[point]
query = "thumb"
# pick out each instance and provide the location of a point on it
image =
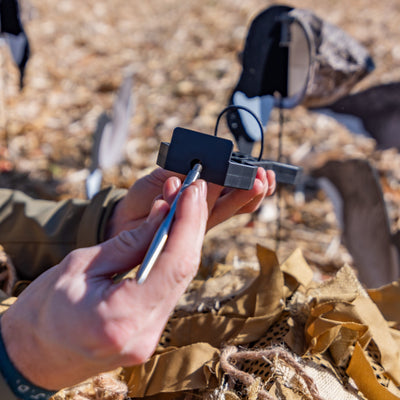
(126, 250)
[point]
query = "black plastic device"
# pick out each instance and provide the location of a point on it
(220, 164)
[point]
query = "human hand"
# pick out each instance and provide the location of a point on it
(73, 322)
(223, 203)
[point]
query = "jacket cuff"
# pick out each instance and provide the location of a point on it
(94, 220)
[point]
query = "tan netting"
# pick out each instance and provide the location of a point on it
(282, 336)
(107, 386)
(282, 364)
(7, 273)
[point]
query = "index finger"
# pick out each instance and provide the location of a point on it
(178, 262)
(187, 233)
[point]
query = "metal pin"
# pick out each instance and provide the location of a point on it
(161, 235)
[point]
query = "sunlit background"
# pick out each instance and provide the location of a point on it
(183, 56)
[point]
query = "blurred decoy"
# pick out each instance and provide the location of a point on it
(12, 30)
(353, 187)
(292, 57)
(272, 39)
(110, 137)
(374, 112)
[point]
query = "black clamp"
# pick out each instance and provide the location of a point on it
(220, 164)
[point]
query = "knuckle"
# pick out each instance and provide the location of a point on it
(142, 353)
(185, 268)
(132, 344)
(157, 177)
(129, 239)
(112, 338)
(78, 259)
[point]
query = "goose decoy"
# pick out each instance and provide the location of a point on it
(12, 31)
(374, 112)
(110, 137)
(354, 188)
(292, 57)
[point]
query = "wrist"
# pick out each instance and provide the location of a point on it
(20, 386)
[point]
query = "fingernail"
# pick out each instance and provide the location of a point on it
(203, 187)
(195, 192)
(176, 182)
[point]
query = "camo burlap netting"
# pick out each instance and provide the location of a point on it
(270, 334)
(7, 273)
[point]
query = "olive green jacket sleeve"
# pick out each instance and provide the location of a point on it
(38, 234)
